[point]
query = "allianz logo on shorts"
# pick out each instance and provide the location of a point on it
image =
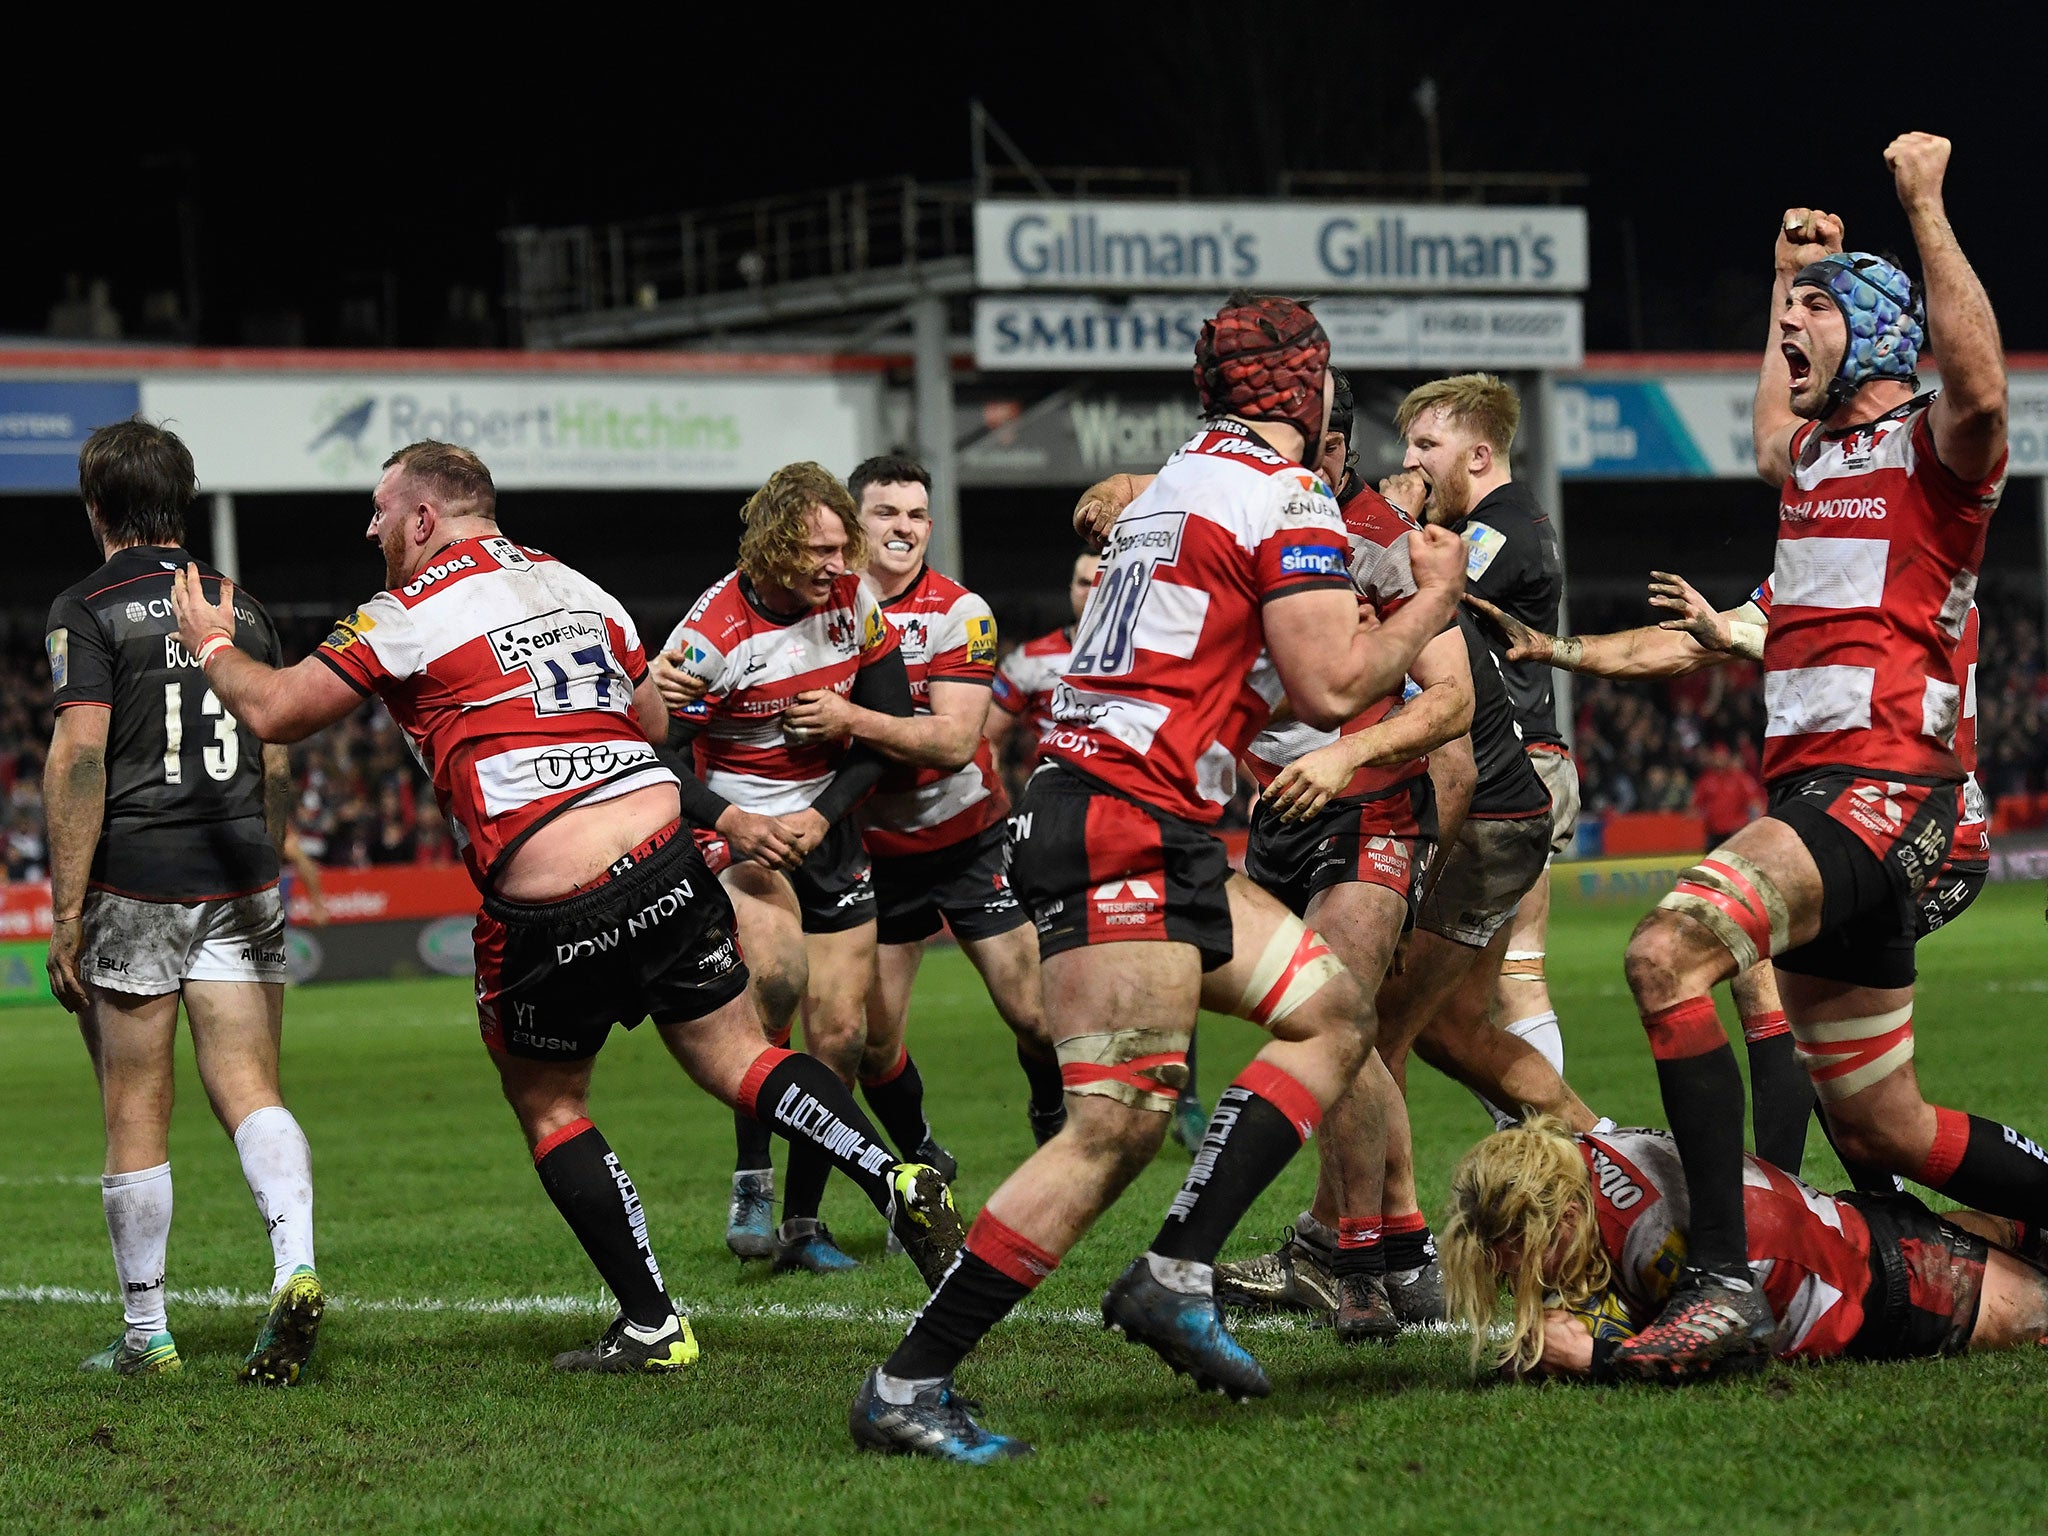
(662, 907)
(260, 956)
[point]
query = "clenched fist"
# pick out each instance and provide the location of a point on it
(1805, 235)
(1437, 557)
(1097, 510)
(1918, 162)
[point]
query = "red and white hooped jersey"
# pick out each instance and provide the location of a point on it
(1879, 546)
(756, 662)
(1972, 846)
(512, 676)
(1809, 1251)
(1025, 680)
(1157, 701)
(948, 635)
(1378, 532)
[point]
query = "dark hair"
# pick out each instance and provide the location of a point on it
(457, 476)
(886, 469)
(138, 479)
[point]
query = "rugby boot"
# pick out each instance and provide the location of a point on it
(938, 1423)
(1295, 1277)
(1363, 1312)
(627, 1349)
(923, 1219)
(1185, 1331)
(1045, 1124)
(285, 1341)
(1417, 1295)
(159, 1357)
(1708, 1328)
(804, 1242)
(932, 1155)
(1190, 1121)
(750, 1219)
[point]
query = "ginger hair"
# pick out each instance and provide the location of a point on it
(1478, 401)
(1520, 1189)
(773, 532)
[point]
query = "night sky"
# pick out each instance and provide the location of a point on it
(293, 193)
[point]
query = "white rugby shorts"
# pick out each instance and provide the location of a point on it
(153, 947)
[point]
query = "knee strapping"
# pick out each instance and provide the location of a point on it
(1522, 965)
(1845, 1056)
(1736, 902)
(1144, 1068)
(1294, 966)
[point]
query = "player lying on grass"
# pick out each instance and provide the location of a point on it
(1586, 1235)
(522, 684)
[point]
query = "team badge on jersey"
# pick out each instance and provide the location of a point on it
(981, 641)
(1482, 546)
(58, 643)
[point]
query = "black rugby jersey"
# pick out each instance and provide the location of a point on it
(1512, 561)
(1508, 786)
(184, 779)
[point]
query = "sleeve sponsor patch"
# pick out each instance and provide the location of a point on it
(874, 629)
(348, 631)
(981, 641)
(58, 643)
(1483, 545)
(1311, 560)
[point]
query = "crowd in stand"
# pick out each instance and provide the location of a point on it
(1690, 745)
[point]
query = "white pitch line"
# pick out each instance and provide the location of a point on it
(554, 1306)
(49, 1178)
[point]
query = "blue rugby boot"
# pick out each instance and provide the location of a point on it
(1185, 1331)
(937, 1422)
(804, 1242)
(750, 1219)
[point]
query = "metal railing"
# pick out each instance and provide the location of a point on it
(1435, 187)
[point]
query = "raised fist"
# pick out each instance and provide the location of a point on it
(1805, 235)
(1918, 161)
(1437, 558)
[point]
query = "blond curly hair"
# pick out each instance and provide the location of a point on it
(1521, 1186)
(773, 535)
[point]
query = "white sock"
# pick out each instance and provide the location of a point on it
(1541, 1031)
(1188, 1276)
(279, 1167)
(901, 1391)
(1502, 1120)
(139, 1225)
(1603, 1125)
(1314, 1233)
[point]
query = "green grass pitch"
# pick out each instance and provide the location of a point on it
(429, 1408)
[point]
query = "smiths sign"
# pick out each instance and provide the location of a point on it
(1279, 247)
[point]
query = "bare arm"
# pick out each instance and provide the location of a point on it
(75, 807)
(1101, 504)
(277, 703)
(1454, 773)
(277, 795)
(945, 738)
(997, 727)
(1329, 680)
(1670, 649)
(1805, 235)
(1968, 417)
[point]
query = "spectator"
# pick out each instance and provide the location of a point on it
(1727, 795)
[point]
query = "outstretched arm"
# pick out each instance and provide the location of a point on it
(280, 704)
(1968, 418)
(1805, 235)
(1699, 637)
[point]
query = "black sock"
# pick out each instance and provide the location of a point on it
(1865, 1178)
(1408, 1242)
(1780, 1099)
(972, 1299)
(897, 1098)
(1998, 1169)
(1048, 1093)
(799, 1099)
(751, 1139)
(1250, 1139)
(581, 1174)
(1702, 1091)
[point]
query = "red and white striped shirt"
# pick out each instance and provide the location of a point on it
(755, 662)
(512, 676)
(1024, 683)
(948, 635)
(1158, 701)
(1378, 532)
(1879, 546)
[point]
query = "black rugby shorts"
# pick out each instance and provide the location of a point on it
(968, 884)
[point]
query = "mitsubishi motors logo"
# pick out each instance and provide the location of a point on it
(1141, 889)
(1879, 800)
(1129, 903)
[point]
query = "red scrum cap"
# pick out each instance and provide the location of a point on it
(1264, 359)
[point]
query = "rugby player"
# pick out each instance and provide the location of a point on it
(935, 823)
(523, 687)
(1859, 756)
(166, 817)
(1022, 693)
(741, 676)
(1700, 636)
(1583, 1232)
(1458, 432)
(1236, 548)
